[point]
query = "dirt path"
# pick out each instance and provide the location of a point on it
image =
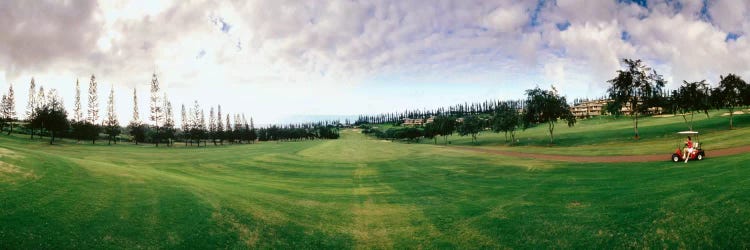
(618, 158)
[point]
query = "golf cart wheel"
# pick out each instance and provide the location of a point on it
(700, 156)
(675, 157)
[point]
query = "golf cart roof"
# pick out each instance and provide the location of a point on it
(688, 132)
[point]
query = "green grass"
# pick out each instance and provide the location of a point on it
(359, 192)
(614, 136)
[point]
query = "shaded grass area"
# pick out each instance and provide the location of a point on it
(358, 192)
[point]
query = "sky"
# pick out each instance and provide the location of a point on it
(278, 61)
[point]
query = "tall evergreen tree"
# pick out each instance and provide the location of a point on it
(92, 128)
(202, 129)
(137, 131)
(41, 99)
(219, 126)
(168, 128)
(185, 125)
(78, 122)
(93, 112)
(77, 112)
(195, 126)
(212, 125)
(228, 130)
(253, 133)
(111, 125)
(31, 106)
(9, 108)
(155, 107)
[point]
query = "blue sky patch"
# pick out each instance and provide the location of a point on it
(732, 37)
(625, 36)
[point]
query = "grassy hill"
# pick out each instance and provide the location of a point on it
(614, 136)
(358, 192)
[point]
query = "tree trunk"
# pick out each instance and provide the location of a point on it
(11, 128)
(551, 135)
(52, 139)
(635, 120)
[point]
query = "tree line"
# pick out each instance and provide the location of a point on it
(458, 110)
(540, 107)
(46, 115)
(637, 87)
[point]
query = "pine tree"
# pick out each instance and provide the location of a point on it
(77, 112)
(156, 110)
(93, 112)
(228, 130)
(136, 116)
(202, 129)
(9, 108)
(185, 125)
(237, 128)
(219, 126)
(168, 127)
(253, 133)
(195, 127)
(92, 128)
(136, 127)
(212, 125)
(31, 107)
(112, 125)
(41, 100)
(3, 111)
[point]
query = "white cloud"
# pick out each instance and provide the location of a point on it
(269, 59)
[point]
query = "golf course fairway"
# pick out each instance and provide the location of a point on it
(359, 192)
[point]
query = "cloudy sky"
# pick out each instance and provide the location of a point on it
(276, 60)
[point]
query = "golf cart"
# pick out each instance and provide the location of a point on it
(697, 154)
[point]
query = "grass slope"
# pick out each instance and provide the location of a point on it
(614, 136)
(358, 192)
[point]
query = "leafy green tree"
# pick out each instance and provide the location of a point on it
(635, 86)
(430, 131)
(506, 119)
(137, 132)
(471, 125)
(546, 106)
(730, 94)
(692, 97)
(445, 126)
(51, 116)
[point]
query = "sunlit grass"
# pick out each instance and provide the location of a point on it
(359, 192)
